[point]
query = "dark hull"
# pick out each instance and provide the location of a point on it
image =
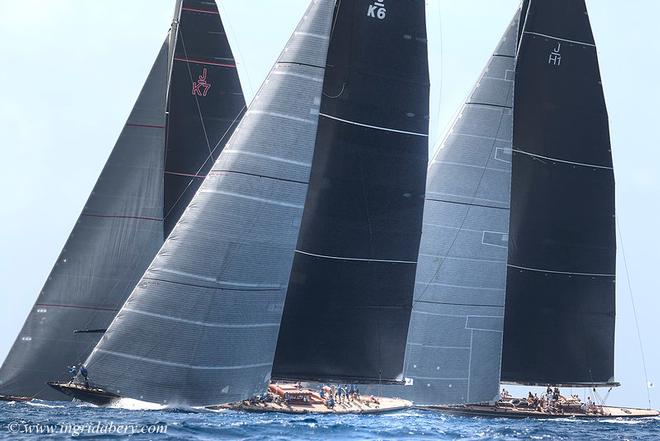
(14, 398)
(493, 411)
(91, 395)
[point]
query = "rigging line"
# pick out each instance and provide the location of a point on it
(477, 187)
(227, 21)
(442, 62)
(632, 301)
(199, 170)
(334, 19)
(199, 109)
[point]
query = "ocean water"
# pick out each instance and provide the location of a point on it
(40, 421)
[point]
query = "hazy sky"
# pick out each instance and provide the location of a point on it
(72, 69)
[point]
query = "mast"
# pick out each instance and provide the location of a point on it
(125, 219)
(560, 301)
(201, 325)
(348, 303)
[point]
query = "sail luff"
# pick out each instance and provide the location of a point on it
(560, 303)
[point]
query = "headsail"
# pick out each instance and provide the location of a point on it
(454, 344)
(349, 299)
(560, 301)
(201, 326)
(122, 225)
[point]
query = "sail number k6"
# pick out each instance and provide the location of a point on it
(377, 10)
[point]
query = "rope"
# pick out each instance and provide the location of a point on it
(632, 302)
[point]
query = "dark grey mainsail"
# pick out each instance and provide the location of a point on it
(122, 225)
(560, 301)
(205, 103)
(455, 339)
(348, 304)
(201, 326)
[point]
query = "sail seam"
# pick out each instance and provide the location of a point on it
(457, 315)
(206, 324)
(117, 216)
(461, 286)
(181, 365)
(210, 279)
(273, 158)
(467, 203)
(369, 126)
(462, 258)
(301, 64)
(297, 75)
(538, 34)
(55, 305)
(355, 259)
(540, 270)
(204, 11)
(253, 198)
(460, 164)
(499, 106)
(438, 346)
(146, 126)
(211, 63)
(458, 304)
(581, 164)
(218, 171)
(311, 34)
(195, 285)
(473, 198)
(282, 115)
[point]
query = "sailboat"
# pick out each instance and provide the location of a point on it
(547, 317)
(188, 107)
(201, 327)
(349, 296)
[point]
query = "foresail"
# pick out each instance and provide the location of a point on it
(201, 326)
(116, 236)
(350, 294)
(455, 339)
(205, 103)
(560, 305)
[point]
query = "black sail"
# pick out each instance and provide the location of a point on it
(123, 223)
(349, 299)
(560, 300)
(205, 103)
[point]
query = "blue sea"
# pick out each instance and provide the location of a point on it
(77, 421)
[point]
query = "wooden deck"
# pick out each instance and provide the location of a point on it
(496, 411)
(288, 398)
(354, 407)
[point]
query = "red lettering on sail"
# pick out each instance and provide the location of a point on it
(201, 87)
